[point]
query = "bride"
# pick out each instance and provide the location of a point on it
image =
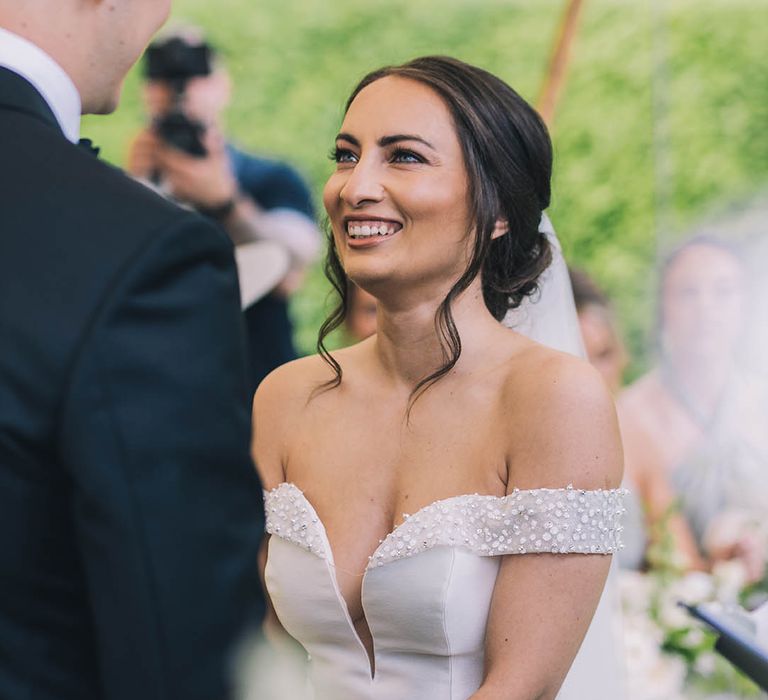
(440, 496)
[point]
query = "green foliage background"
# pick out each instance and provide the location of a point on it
(664, 116)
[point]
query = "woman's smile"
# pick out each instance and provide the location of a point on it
(399, 188)
(363, 233)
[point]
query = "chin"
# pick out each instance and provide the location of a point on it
(103, 104)
(371, 280)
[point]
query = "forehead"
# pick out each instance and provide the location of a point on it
(396, 105)
(702, 264)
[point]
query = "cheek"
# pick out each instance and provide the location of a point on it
(331, 194)
(332, 204)
(162, 8)
(441, 207)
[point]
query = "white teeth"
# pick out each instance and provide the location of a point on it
(366, 231)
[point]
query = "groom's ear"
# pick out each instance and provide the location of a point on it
(501, 227)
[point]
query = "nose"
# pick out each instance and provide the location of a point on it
(363, 185)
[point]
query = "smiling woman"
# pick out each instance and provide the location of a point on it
(500, 447)
(499, 163)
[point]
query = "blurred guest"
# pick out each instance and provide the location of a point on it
(602, 340)
(360, 321)
(185, 154)
(697, 417)
(605, 351)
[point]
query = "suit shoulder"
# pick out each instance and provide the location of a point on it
(57, 183)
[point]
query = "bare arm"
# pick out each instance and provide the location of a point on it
(645, 469)
(272, 415)
(210, 182)
(296, 232)
(543, 603)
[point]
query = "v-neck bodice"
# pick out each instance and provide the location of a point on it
(427, 588)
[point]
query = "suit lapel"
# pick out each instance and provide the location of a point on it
(19, 95)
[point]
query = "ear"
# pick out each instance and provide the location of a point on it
(501, 227)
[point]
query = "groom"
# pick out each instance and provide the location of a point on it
(128, 503)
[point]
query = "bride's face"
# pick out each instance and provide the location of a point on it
(398, 200)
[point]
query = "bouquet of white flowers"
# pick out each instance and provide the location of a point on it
(670, 655)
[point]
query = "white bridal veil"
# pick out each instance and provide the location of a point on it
(549, 317)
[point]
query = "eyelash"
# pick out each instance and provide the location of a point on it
(404, 152)
(337, 154)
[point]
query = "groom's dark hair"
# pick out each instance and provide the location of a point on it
(508, 156)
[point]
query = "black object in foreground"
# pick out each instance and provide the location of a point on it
(735, 642)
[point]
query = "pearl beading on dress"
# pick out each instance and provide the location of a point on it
(559, 521)
(290, 516)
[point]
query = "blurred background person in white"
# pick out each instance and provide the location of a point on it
(602, 339)
(698, 417)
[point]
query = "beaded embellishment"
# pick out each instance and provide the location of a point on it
(560, 521)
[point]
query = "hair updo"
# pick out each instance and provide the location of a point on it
(508, 157)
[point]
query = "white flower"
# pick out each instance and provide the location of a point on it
(672, 615)
(651, 673)
(695, 587)
(705, 663)
(663, 680)
(693, 638)
(730, 578)
(642, 641)
(635, 589)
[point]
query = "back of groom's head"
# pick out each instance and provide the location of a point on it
(95, 41)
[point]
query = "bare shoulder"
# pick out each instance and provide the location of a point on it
(277, 407)
(556, 383)
(564, 428)
(291, 383)
(280, 406)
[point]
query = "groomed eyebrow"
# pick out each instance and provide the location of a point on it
(385, 141)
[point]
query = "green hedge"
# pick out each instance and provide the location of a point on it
(663, 118)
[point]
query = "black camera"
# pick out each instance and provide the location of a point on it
(175, 62)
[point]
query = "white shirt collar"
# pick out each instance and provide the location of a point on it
(48, 77)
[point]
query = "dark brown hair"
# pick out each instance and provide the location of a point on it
(508, 156)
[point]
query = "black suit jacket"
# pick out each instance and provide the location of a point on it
(129, 508)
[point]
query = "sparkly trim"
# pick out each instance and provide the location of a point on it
(291, 516)
(559, 521)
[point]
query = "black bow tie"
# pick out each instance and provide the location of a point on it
(87, 145)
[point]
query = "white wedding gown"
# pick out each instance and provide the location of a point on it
(427, 590)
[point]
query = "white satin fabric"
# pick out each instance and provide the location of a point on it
(427, 590)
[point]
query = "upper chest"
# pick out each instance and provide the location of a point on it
(366, 468)
(364, 447)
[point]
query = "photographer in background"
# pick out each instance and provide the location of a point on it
(184, 154)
